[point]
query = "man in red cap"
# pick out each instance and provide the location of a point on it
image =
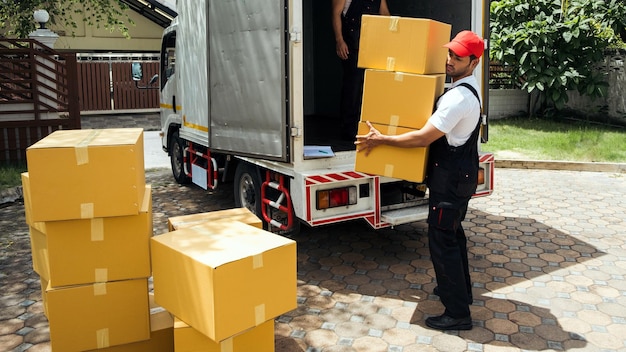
(452, 133)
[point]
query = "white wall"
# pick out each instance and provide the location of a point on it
(507, 102)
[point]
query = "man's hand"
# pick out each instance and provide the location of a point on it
(365, 143)
(342, 50)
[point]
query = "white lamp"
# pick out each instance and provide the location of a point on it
(41, 17)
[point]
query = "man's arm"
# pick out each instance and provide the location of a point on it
(413, 139)
(384, 10)
(341, 46)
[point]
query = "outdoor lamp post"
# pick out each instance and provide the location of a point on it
(43, 34)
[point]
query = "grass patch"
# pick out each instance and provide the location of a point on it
(566, 140)
(10, 175)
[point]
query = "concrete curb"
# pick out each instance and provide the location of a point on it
(15, 194)
(561, 165)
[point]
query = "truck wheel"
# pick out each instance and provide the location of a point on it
(247, 188)
(176, 148)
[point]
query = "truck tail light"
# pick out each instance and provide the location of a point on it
(336, 197)
(481, 176)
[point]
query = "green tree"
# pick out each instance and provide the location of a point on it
(553, 45)
(16, 17)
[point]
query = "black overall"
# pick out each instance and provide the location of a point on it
(352, 87)
(452, 180)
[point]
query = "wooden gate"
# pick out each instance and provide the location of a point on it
(106, 83)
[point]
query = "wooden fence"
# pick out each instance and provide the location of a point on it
(42, 91)
(37, 95)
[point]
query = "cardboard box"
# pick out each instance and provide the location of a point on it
(257, 339)
(403, 44)
(400, 99)
(224, 277)
(97, 316)
(77, 252)
(402, 163)
(161, 333)
(236, 214)
(85, 174)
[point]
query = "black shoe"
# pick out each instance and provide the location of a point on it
(444, 322)
(437, 293)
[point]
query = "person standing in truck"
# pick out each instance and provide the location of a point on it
(346, 20)
(452, 133)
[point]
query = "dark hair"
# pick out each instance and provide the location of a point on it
(473, 57)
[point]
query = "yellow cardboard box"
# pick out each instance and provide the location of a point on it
(257, 339)
(85, 174)
(76, 252)
(403, 44)
(161, 333)
(236, 214)
(224, 277)
(402, 163)
(400, 99)
(97, 316)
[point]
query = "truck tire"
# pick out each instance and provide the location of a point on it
(176, 148)
(247, 188)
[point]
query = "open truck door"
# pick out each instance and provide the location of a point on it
(240, 80)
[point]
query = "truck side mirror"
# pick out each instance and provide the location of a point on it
(137, 74)
(137, 71)
(153, 80)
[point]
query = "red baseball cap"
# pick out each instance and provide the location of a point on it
(467, 43)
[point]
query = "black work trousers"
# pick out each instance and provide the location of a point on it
(351, 96)
(448, 251)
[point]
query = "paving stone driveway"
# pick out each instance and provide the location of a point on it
(547, 251)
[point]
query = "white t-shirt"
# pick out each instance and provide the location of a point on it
(346, 6)
(457, 112)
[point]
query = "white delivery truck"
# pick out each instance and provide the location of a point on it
(249, 87)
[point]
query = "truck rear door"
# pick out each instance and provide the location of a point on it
(248, 79)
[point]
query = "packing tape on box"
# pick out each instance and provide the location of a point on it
(97, 229)
(391, 63)
(145, 205)
(99, 289)
(388, 170)
(102, 338)
(393, 23)
(227, 345)
(101, 275)
(86, 211)
(392, 130)
(394, 120)
(259, 314)
(81, 150)
(398, 77)
(257, 261)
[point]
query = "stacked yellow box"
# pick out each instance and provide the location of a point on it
(224, 280)
(235, 214)
(161, 333)
(90, 217)
(405, 62)
(258, 339)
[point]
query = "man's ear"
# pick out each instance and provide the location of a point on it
(475, 62)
